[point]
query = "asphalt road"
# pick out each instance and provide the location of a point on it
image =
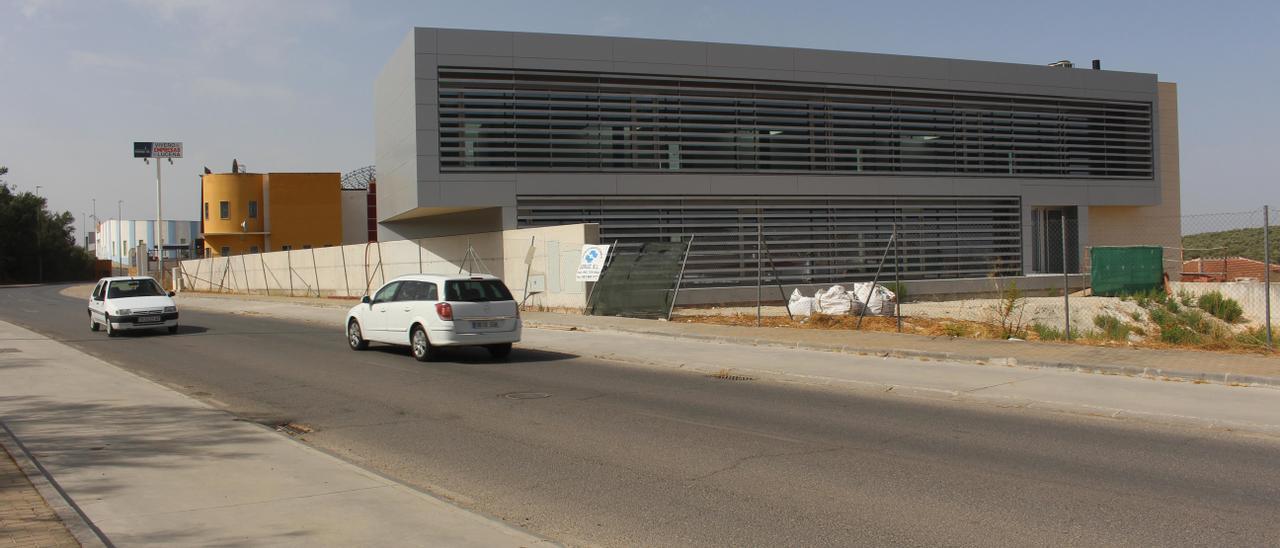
(628, 455)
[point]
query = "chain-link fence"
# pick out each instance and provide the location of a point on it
(1111, 278)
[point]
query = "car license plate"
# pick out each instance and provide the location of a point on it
(148, 319)
(484, 324)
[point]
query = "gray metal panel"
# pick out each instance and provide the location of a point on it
(560, 46)
(475, 42)
(812, 240)
(673, 52)
(394, 93)
(756, 57)
(477, 193)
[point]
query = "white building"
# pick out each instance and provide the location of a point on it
(116, 239)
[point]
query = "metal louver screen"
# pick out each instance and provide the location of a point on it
(527, 120)
(811, 240)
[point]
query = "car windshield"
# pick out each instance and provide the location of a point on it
(476, 291)
(124, 289)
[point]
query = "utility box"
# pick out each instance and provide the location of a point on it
(1126, 270)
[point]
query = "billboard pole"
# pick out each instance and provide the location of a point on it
(159, 227)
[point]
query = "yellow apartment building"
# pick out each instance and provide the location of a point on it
(260, 212)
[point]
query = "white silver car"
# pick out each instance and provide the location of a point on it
(426, 311)
(130, 302)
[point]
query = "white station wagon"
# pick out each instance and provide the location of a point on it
(130, 302)
(427, 311)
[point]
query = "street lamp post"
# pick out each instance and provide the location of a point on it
(118, 245)
(39, 240)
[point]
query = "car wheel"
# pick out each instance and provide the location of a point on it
(93, 326)
(106, 322)
(173, 329)
(499, 351)
(421, 346)
(355, 338)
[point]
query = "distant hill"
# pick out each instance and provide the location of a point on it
(1241, 242)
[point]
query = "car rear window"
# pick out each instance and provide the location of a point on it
(476, 291)
(123, 289)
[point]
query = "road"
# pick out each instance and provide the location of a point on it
(618, 454)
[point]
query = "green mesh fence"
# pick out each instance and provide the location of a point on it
(1126, 270)
(639, 284)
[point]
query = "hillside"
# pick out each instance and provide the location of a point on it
(1241, 242)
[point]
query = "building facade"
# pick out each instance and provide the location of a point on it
(118, 241)
(260, 212)
(821, 154)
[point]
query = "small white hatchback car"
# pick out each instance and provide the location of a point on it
(130, 302)
(427, 311)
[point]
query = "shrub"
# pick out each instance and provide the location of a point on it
(955, 329)
(1185, 297)
(1223, 308)
(1178, 334)
(1136, 315)
(1163, 318)
(1113, 328)
(1009, 312)
(1256, 336)
(1172, 306)
(1047, 333)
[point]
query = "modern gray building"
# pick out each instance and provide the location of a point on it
(824, 152)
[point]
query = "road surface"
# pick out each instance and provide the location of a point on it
(592, 452)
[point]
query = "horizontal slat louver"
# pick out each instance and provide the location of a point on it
(544, 121)
(811, 240)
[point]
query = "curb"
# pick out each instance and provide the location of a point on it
(1009, 361)
(87, 534)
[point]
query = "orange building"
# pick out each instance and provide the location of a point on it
(260, 212)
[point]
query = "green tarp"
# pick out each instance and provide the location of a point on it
(1126, 270)
(639, 284)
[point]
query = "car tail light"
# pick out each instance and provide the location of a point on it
(445, 311)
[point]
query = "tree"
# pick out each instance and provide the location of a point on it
(36, 239)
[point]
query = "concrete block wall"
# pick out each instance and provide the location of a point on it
(355, 270)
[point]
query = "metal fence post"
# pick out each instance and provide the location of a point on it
(680, 278)
(759, 263)
(1266, 272)
(1066, 283)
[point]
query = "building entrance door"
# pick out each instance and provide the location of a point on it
(1047, 224)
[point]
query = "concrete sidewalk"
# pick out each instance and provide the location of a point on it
(1192, 365)
(149, 466)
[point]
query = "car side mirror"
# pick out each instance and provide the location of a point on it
(171, 293)
(366, 300)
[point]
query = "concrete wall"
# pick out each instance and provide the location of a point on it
(355, 270)
(1252, 296)
(355, 217)
(1160, 224)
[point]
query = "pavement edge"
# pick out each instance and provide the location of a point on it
(79, 525)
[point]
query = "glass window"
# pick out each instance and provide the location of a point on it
(306, 246)
(226, 251)
(387, 293)
(224, 210)
(253, 210)
(145, 287)
(417, 291)
(286, 248)
(206, 210)
(253, 249)
(477, 291)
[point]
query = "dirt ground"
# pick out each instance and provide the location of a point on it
(1044, 310)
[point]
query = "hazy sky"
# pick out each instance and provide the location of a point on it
(287, 85)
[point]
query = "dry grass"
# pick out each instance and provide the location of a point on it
(932, 327)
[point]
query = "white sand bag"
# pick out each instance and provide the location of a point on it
(834, 301)
(800, 305)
